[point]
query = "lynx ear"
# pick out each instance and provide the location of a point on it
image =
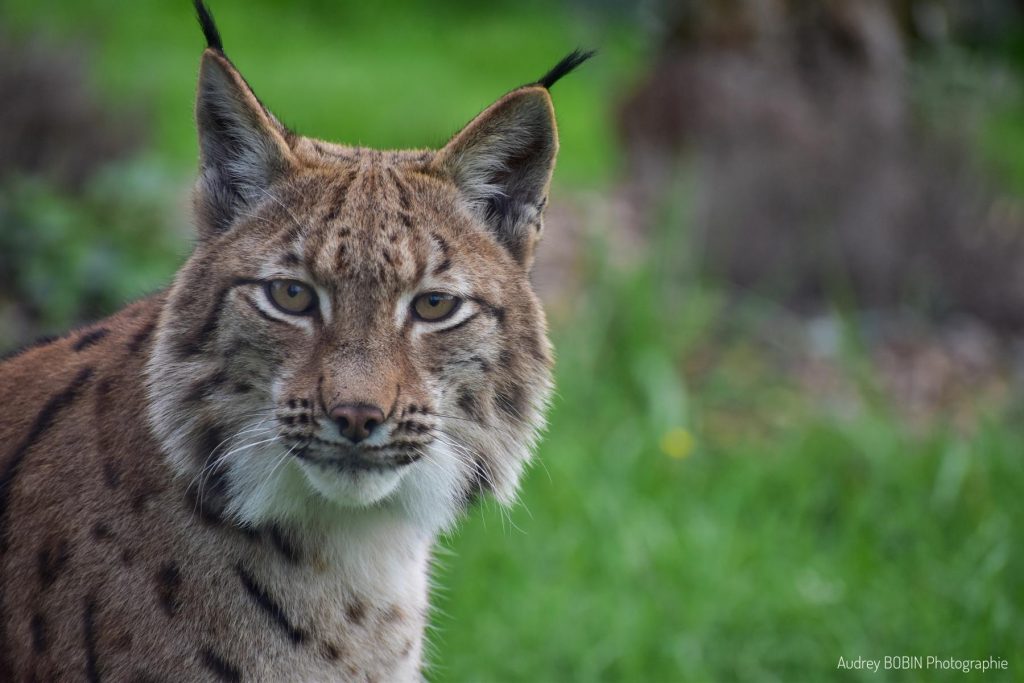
(242, 146)
(502, 163)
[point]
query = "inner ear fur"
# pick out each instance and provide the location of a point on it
(243, 148)
(502, 163)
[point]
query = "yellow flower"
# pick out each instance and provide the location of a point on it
(677, 443)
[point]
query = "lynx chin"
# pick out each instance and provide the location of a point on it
(241, 477)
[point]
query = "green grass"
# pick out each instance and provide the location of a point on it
(763, 556)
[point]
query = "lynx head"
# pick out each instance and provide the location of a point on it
(355, 331)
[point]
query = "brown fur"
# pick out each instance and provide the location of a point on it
(175, 502)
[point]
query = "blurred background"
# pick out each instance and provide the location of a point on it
(785, 273)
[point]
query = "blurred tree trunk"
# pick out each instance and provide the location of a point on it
(814, 181)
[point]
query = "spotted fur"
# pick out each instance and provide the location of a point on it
(177, 498)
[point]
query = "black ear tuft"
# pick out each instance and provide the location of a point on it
(209, 28)
(568, 63)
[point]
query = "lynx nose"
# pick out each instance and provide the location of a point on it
(356, 421)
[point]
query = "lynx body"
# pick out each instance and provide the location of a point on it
(241, 477)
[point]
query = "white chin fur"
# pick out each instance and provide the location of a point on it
(267, 485)
(351, 489)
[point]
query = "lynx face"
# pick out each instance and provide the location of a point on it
(355, 332)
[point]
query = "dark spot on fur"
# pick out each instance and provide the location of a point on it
(143, 494)
(355, 612)
(220, 667)
(168, 585)
(39, 633)
(283, 545)
(91, 338)
(140, 338)
(92, 664)
(145, 677)
(111, 477)
(52, 560)
(120, 638)
(101, 531)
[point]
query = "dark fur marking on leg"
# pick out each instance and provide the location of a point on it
(40, 639)
(145, 677)
(92, 664)
(90, 338)
(269, 605)
(111, 477)
(220, 667)
(168, 585)
(51, 561)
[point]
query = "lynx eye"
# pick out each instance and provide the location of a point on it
(291, 296)
(434, 307)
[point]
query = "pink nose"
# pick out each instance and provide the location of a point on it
(356, 421)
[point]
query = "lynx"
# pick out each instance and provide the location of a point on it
(242, 477)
